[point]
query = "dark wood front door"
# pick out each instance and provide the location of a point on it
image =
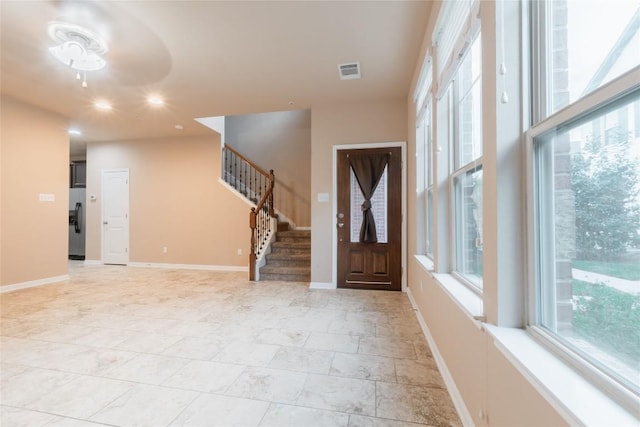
(363, 264)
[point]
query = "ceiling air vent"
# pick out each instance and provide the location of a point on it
(349, 71)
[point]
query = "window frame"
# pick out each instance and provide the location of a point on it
(456, 169)
(427, 120)
(599, 100)
(424, 164)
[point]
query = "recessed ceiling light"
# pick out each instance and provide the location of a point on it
(75, 132)
(102, 105)
(154, 100)
(179, 127)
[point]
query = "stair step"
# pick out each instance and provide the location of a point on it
(288, 270)
(282, 226)
(288, 263)
(301, 256)
(284, 277)
(289, 260)
(299, 234)
(286, 274)
(290, 246)
(289, 251)
(290, 257)
(301, 243)
(292, 238)
(304, 233)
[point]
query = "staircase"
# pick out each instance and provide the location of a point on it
(290, 257)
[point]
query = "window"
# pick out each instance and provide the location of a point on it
(425, 176)
(378, 208)
(588, 239)
(585, 201)
(584, 59)
(459, 110)
(424, 155)
(428, 166)
(467, 168)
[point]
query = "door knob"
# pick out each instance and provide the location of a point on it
(105, 222)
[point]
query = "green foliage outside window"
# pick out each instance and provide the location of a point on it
(606, 184)
(609, 318)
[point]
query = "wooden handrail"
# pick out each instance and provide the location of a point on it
(268, 194)
(253, 165)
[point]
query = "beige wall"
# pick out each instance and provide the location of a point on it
(383, 121)
(35, 160)
(512, 399)
(280, 141)
(175, 201)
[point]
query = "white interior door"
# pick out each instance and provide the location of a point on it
(115, 216)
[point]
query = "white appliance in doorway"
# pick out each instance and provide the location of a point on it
(77, 216)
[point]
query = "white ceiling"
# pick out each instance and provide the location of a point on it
(209, 58)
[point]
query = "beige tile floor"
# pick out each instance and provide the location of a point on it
(123, 346)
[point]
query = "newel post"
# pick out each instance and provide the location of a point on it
(252, 255)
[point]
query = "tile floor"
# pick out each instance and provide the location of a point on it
(123, 346)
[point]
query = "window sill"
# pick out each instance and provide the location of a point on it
(575, 399)
(467, 300)
(425, 262)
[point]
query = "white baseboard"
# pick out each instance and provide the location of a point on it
(321, 285)
(189, 266)
(90, 262)
(33, 283)
(456, 397)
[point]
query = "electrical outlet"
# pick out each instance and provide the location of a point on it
(164, 249)
(239, 251)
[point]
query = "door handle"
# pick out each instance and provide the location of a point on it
(78, 213)
(105, 222)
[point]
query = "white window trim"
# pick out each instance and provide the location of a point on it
(599, 98)
(538, 64)
(429, 243)
(455, 170)
(429, 178)
(422, 99)
(475, 165)
(425, 79)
